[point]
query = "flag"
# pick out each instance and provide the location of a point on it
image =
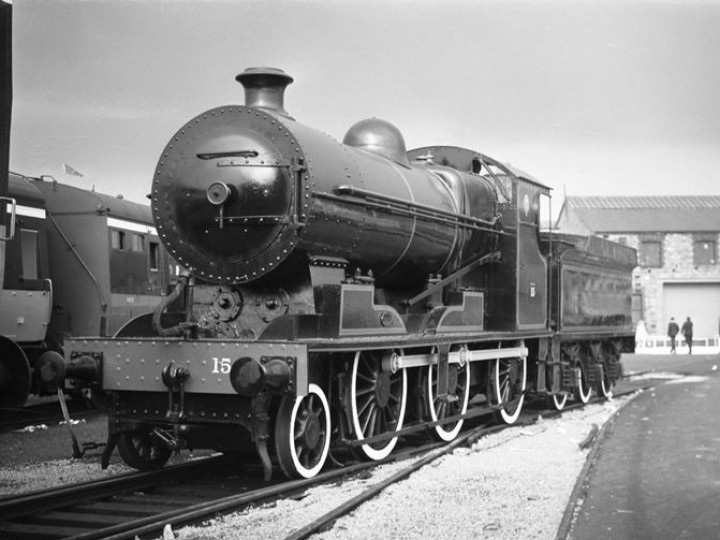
(69, 170)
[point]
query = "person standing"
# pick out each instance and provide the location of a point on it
(687, 331)
(672, 331)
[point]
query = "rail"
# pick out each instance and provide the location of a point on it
(143, 503)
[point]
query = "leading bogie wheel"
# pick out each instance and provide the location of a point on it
(302, 433)
(507, 387)
(143, 451)
(459, 394)
(378, 397)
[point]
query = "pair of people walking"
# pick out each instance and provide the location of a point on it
(686, 330)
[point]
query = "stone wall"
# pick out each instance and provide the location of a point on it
(678, 264)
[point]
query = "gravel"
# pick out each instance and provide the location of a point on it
(49, 474)
(513, 484)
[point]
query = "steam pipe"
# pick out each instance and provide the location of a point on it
(177, 292)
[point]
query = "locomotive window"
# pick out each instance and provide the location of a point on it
(117, 239)
(138, 243)
(505, 189)
(546, 217)
(154, 256)
(29, 248)
(503, 183)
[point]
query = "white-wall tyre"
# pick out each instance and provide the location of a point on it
(302, 433)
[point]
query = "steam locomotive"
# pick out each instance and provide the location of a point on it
(340, 296)
(78, 263)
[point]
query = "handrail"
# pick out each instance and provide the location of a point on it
(12, 204)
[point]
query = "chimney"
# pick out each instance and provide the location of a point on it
(265, 88)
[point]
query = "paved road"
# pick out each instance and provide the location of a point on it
(657, 474)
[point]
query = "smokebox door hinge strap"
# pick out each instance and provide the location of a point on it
(297, 169)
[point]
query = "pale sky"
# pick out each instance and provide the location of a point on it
(591, 97)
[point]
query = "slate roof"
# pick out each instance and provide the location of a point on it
(681, 213)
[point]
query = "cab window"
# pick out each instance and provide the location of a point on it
(29, 253)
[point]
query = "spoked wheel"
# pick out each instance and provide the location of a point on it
(611, 369)
(142, 451)
(604, 386)
(581, 388)
(601, 358)
(302, 433)
(507, 387)
(458, 389)
(378, 400)
(556, 401)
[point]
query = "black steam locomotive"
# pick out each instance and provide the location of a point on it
(342, 295)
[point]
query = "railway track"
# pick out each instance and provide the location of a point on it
(143, 503)
(104, 508)
(465, 439)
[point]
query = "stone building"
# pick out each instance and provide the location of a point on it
(676, 238)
